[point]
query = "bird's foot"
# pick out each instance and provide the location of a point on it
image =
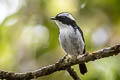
(71, 58)
(63, 58)
(82, 55)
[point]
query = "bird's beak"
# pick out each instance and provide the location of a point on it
(53, 18)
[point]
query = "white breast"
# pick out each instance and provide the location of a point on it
(70, 41)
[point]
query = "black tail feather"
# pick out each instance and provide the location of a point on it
(83, 68)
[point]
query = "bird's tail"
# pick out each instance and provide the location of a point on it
(83, 68)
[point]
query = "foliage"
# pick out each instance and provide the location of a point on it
(29, 39)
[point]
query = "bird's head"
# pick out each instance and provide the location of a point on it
(63, 19)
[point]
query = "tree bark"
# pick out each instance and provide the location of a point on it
(62, 65)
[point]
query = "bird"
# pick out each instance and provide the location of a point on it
(71, 37)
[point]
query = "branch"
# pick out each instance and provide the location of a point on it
(61, 65)
(70, 70)
(73, 74)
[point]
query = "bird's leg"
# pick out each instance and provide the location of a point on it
(71, 57)
(68, 58)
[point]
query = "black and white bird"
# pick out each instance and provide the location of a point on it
(71, 37)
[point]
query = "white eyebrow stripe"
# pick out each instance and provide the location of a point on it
(67, 15)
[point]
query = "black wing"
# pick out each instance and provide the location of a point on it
(82, 37)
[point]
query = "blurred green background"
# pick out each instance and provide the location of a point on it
(29, 39)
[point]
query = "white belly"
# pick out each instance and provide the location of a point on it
(71, 42)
